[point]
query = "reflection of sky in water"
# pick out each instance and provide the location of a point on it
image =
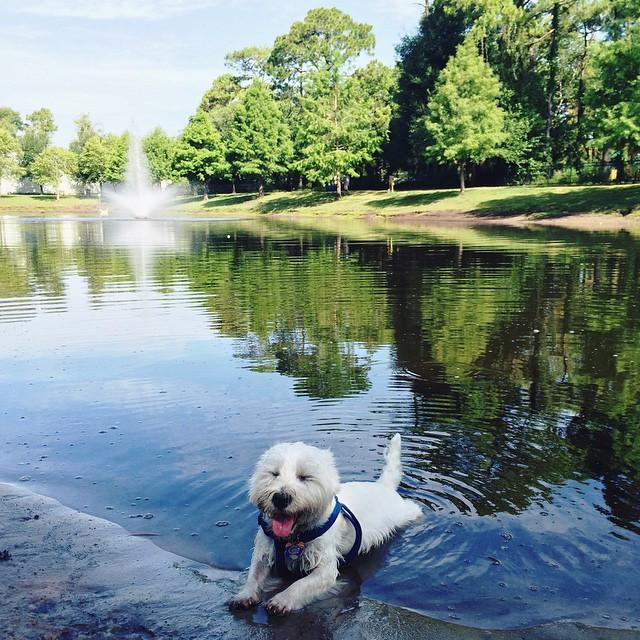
(128, 391)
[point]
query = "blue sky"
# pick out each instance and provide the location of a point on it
(142, 63)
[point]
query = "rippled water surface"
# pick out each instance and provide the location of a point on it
(144, 366)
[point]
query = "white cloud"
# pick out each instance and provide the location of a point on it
(113, 9)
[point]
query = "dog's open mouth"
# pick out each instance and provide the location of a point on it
(282, 525)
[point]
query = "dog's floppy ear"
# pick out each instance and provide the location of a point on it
(329, 470)
(261, 475)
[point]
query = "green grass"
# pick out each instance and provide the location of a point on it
(46, 205)
(535, 202)
(482, 202)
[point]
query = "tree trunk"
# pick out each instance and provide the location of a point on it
(233, 184)
(580, 100)
(461, 171)
(551, 82)
(57, 194)
(206, 192)
(338, 186)
(392, 183)
(260, 187)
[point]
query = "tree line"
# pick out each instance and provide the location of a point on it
(496, 91)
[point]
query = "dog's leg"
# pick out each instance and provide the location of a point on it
(261, 562)
(305, 590)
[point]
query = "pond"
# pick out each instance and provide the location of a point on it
(145, 365)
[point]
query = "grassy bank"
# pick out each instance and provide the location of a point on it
(482, 202)
(534, 202)
(23, 205)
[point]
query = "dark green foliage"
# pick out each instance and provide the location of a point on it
(421, 59)
(259, 142)
(159, 149)
(199, 154)
(314, 107)
(36, 137)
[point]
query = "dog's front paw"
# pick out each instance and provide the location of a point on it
(243, 600)
(279, 605)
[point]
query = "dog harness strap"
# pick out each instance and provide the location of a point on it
(312, 534)
(281, 563)
(353, 552)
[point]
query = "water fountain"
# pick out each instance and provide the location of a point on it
(138, 197)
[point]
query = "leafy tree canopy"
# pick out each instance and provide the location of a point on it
(248, 63)
(325, 41)
(85, 129)
(10, 120)
(259, 140)
(199, 154)
(49, 166)
(92, 161)
(9, 155)
(159, 149)
(343, 125)
(37, 136)
(464, 119)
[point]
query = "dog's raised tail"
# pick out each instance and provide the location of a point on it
(392, 471)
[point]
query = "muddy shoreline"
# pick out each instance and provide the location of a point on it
(70, 575)
(577, 221)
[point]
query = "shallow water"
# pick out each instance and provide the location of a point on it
(144, 366)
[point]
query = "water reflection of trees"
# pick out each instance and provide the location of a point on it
(520, 369)
(527, 357)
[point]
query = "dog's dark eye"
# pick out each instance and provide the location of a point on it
(304, 478)
(275, 474)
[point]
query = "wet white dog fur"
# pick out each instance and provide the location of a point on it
(309, 476)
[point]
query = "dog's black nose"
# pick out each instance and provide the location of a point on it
(281, 500)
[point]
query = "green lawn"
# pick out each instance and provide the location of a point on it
(46, 205)
(535, 202)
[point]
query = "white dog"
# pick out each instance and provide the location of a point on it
(307, 530)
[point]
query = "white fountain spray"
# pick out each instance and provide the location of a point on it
(139, 197)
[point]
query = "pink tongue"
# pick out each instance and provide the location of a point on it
(282, 528)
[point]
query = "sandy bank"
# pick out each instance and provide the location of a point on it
(578, 221)
(70, 575)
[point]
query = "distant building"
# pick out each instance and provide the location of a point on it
(26, 186)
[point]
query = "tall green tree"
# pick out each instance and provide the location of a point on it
(9, 156)
(259, 139)
(51, 165)
(117, 153)
(10, 120)
(39, 129)
(342, 128)
(249, 63)
(464, 119)
(85, 129)
(421, 58)
(326, 40)
(92, 162)
(200, 154)
(613, 95)
(159, 149)
(221, 100)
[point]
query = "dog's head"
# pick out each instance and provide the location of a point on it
(294, 484)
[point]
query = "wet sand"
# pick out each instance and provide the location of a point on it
(72, 575)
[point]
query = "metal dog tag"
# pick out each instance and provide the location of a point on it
(294, 550)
